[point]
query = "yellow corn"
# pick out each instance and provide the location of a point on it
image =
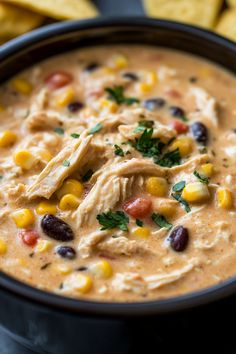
(112, 107)
(3, 247)
(22, 262)
(145, 87)
(24, 159)
(195, 192)
(142, 232)
(224, 198)
(82, 283)
(151, 78)
(108, 70)
(46, 207)
(22, 86)
(7, 138)
(184, 144)
(43, 246)
(23, 218)
(207, 169)
(166, 209)
(101, 269)
(63, 269)
(70, 186)
(65, 98)
(119, 62)
(156, 186)
(45, 155)
(69, 202)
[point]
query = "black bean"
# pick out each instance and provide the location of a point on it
(154, 103)
(193, 79)
(82, 269)
(177, 111)
(199, 132)
(56, 228)
(131, 76)
(75, 106)
(66, 252)
(91, 66)
(179, 238)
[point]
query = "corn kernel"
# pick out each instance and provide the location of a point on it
(45, 155)
(151, 78)
(142, 232)
(22, 86)
(184, 144)
(108, 70)
(145, 87)
(70, 186)
(207, 169)
(3, 247)
(23, 218)
(65, 97)
(195, 192)
(111, 107)
(166, 209)
(224, 198)
(156, 186)
(119, 62)
(24, 159)
(101, 269)
(7, 138)
(82, 283)
(22, 262)
(63, 269)
(46, 207)
(43, 246)
(69, 202)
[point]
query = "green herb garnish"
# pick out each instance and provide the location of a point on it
(59, 131)
(66, 163)
(116, 94)
(161, 221)
(202, 179)
(118, 150)
(86, 177)
(96, 128)
(148, 146)
(182, 201)
(75, 135)
(139, 222)
(178, 187)
(142, 125)
(170, 159)
(112, 220)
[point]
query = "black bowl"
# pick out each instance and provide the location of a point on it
(48, 323)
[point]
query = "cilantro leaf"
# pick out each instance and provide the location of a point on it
(170, 159)
(96, 128)
(148, 146)
(59, 131)
(161, 221)
(178, 187)
(75, 135)
(182, 201)
(139, 222)
(86, 177)
(112, 220)
(118, 150)
(66, 163)
(202, 179)
(142, 125)
(116, 94)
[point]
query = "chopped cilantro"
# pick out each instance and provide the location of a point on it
(75, 135)
(139, 222)
(202, 179)
(142, 125)
(118, 150)
(96, 128)
(178, 187)
(86, 177)
(59, 131)
(117, 94)
(148, 146)
(112, 220)
(161, 221)
(169, 159)
(66, 163)
(182, 201)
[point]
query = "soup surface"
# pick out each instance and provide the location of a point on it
(118, 174)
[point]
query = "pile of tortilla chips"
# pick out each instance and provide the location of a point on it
(218, 15)
(20, 16)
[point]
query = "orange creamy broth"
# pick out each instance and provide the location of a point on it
(64, 124)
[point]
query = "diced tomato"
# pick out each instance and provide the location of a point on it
(58, 79)
(179, 126)
(29, 237)
(173, 93)
(138, 207)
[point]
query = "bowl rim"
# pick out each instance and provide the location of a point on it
(97, 308)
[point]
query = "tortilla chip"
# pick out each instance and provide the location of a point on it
(59, 9)
(197, 12)
(227, 24)
(231, 3)
(15, 21)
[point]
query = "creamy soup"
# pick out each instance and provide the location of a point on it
(118, 174)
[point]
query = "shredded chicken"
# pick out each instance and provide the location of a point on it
(122, 246)
(206, 105)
